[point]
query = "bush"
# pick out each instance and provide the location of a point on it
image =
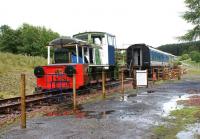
(184, 57)
(195, 56)
(176, 63)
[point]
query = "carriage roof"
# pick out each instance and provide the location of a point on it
(153, 49)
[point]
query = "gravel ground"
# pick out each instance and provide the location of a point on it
(131, 117)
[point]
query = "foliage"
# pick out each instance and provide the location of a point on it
(120, 57)
(27, 39)
(192, 16)
(9, 39)
(184, 57)
(181, 48)
(176, 63)
(195, 56)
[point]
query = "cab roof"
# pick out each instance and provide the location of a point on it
(62, 42)
(93, 32)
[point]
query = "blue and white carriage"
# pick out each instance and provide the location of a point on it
(144, 56)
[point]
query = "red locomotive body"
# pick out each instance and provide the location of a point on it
(59, 76)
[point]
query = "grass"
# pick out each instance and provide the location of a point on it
(11, 66)
(10, 62)
(193, 67)
(177, 122)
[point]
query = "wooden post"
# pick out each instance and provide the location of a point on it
(103, 85)
(179, 73)
(134, 79)
(158, 73)
(154, 76)
(122, 74)
(163, 73)
(147, 77)
(74, 91)
(23, 102)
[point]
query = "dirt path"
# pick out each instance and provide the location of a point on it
(131, 117)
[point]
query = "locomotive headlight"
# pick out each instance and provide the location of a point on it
(39, 72)
(70, 70)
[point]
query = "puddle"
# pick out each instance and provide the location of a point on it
(81, 114)
(192, 132)
(97, 115)
(132, 117)
(38, 123)
(172, 104)
(139, 101)
(132, 95)
(143, 93)
(150, 91)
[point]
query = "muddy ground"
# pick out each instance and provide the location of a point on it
(128, 117)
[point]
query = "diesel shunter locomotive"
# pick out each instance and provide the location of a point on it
(83, 55)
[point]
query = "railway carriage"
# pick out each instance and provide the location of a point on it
(144, 56)
(83, 55)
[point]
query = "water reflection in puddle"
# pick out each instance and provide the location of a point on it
(81, 113)
(172, 104)
(192, 132)
(98, 115)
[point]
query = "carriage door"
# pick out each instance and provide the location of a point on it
(137, 53)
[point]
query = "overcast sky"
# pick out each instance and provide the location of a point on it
(154, 22)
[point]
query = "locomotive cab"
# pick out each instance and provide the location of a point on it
(103, 58)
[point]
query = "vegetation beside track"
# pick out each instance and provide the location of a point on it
(177, 121)
(193, 67)
(11, 67)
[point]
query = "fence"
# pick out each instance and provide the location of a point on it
(100, 82)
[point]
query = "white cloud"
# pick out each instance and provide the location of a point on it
(154, 22)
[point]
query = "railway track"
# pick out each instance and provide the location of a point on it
(12, 105)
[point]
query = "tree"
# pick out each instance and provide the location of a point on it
(9, 39)
(192, 16)
(181, 48)
(27, 39)
(35, 39)
(184, 57)
(195, 56)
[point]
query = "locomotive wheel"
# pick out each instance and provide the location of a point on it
(70, 70)
(39, 72)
